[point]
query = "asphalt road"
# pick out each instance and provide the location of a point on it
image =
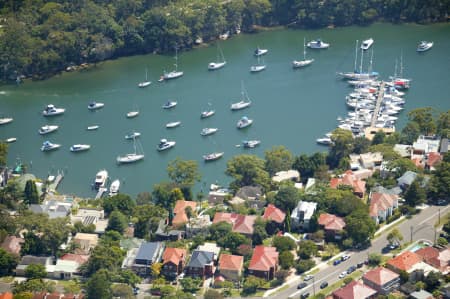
(419, 227)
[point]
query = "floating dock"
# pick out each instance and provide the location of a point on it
(378, 104)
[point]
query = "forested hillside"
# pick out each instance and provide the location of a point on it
(40, 38)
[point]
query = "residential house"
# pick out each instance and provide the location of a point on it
(80, 259)
(131, 246)
(382, 280)
(406, 179)
(240, 223)
(179, 211)
(164, 232)
(348, 179)
(404, 150)
(89, 216)
(333, 225)
(264, 262)
(421, 294)
(173, 261)
(12, 244)
(382, 206)
(289, 175)
(201, 264)
(85, 242)
(272, 213)
(148, 254)
(412, 263)
(426, 144)
(302, 214)
(52, 208)
(62, 269)
(445, 146)
(30, 259)
(355, 290)
(252, 195)
(432, 159)
(439, 259)
(198, 225)
(217, 196)
(6, 295)
(210, 247)
(56, 295)
(366, 160)
(230, 266)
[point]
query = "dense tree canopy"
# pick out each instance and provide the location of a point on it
(183, 172)
(247, 170)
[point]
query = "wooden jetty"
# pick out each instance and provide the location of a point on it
(378, 104)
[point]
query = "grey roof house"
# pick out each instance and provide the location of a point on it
(201, 264)
(406, 179)
(302, 213)
(148, 254)
(52, 208)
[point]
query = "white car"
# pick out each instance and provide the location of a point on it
(343, 274)
(308, 277)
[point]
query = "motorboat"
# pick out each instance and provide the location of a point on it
(212, 156)
(164, 144)
(424, 46)
(11, 140)
(220, 63)
(95, 105)
(175, 73)
(250, 143)
(132, 114)
(92, 128)
(173, 124)
(5, 120)
(208, 113)
(48, 129)
(169, 105)
(114, 188)
(366, 44)
(132, 135)
(79, 147)
(317, 44)
(324, 141)
(208, 131)
(244, 122)
(51, 110)
(304, 62)
(48, 146)
(260, 52)
(100, 179)
(146, 82)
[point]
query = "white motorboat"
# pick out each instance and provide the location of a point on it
(11, 140)
(95, 105)
(317, 44)
(5, 120)
(175, 73)
(114, 188)
(48, 146)
(212, 156)
(169, 105)
(366, 44)
(48, 129)
(260, 52)
(244, 122)
(173, 124)
(260, 66)
(92, 128)
(244, 102)
(51, 110)
(304, 62)
(133, 157)
(208, 113)
(219, 63)
(132, 114)
(164, 144)
(132, 135)
(146, 82)
(79, 147)
(100, 179)
(324, 141)
(208, 131)
(250, 143)
(424, 46)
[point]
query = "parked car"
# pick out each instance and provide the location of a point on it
(336, 262)
(351, 269)
(302, 285)
(359, 265)
(304, 296)
(308, 277)
(323, 285)
(345, 257)
(393, 246)
(343, 274)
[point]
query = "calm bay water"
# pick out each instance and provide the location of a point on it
(290, 107)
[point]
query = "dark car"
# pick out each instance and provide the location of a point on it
(359, 265)
(323, 285)
(385, 249)
(302, 285)
(351, 269)
(336, 262)
(304, 296)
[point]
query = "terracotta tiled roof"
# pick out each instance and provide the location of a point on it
(231, 262)
(273, 213)
(381, 202)
(433, 158)
(241, 223)
(6, 295)
(349, 179)
(12, 244)
(179, 211)
(436, 258)
(40, 295)
(331, 222)
(405, 260)
(263, 258)
(79, 258)
(381, 276)
(354, 290)
(174, 255)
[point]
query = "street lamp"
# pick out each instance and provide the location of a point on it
(314, 286)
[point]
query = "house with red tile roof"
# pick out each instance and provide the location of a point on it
(382, 206)
(6, 295)
(348, 179)
(412, 263)
(56, 295)
(272, 213)
(355, 290)
(179, 211)
(264, 262)
(242, 224)
(12, 244)
(173, 261)
(439, 259)
(79, 258)
(382, 280)
(230, 266)
(333, 225)
(432, 160)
